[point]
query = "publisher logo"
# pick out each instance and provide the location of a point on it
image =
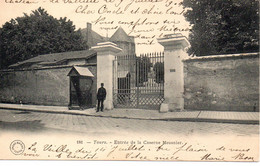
(17, 147)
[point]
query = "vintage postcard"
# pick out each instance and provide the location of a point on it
(144, 80)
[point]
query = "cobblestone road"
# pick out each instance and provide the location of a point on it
(23, 121)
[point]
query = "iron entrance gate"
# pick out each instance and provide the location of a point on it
(138, 81)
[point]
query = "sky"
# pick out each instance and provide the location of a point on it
(138, 18)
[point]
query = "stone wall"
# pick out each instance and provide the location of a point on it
(223, 82)
(42, 86)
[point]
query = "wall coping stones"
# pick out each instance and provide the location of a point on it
(225, 56)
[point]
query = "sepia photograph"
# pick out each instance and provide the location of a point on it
(129, 80)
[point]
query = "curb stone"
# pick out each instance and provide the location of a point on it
(196, 119)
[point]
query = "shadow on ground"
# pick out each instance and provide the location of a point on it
(35, 125)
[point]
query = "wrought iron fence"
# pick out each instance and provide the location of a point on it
(139, 81)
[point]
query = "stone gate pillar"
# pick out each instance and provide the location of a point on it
(174, 53)
(106, 52)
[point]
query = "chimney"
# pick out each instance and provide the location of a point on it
(89, 34)
(89, 27)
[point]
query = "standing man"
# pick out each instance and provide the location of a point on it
(101, 96)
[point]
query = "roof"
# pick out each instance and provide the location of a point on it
(52, 59)
(80, 71)
(120, 35)
(96, 38)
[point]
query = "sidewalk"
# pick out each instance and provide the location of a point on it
(195, 116)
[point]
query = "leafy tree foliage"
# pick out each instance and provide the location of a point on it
(158, 68)
(223, 26)
(38, 33)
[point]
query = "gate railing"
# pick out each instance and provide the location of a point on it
(139, 81)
